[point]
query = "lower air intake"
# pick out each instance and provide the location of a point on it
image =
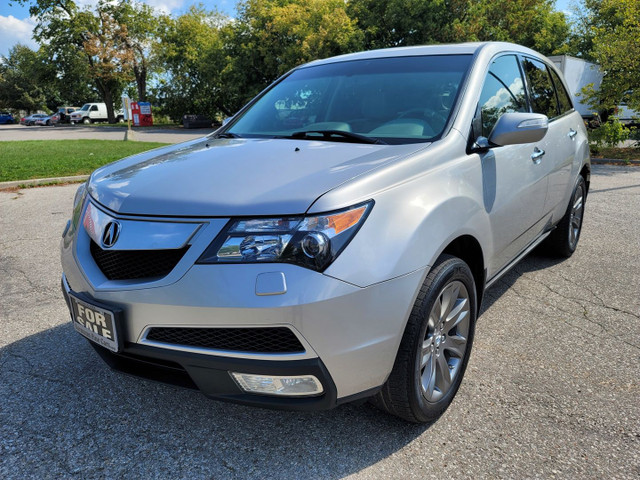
(254, 340)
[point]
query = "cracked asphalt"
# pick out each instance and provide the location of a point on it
(552, 389)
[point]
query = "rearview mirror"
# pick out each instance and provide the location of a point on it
(515, 128)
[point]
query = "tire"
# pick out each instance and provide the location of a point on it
(417, 390)
(563, 241)
(48, 123)
(120, 119)
(86, 121)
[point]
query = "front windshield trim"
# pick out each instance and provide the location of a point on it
(460, 75)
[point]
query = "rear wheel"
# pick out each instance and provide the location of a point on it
(435, 346)
(563, 241)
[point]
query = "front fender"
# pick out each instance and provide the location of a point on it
(413, 222)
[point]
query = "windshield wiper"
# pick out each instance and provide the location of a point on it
(332, 134)
(227, 135)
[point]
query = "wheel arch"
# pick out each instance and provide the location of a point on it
(586, 174)
(468, 249)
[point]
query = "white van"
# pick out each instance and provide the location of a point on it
(94, 112)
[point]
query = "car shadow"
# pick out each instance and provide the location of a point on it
(536, 260)
(64, 411)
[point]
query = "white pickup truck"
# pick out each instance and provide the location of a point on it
(94, 112)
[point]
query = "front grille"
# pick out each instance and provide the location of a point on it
(135, 264)
(255, 340)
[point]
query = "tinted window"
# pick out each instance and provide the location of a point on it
(94, 108)
(503, 92)
(543, 97)
(563, 97)
(398, 100)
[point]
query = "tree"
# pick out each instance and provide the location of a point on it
(139, 28)
(112, 50)
(613, 28)
(23, 75)
(192, 55)
(394, 23)
(270, 37)
(532, 23)
(391, 23)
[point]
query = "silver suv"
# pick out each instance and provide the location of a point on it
(333, 241)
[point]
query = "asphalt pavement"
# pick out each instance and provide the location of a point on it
(97, 132)
(552, 389)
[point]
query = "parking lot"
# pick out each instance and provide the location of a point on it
(552, 389)
(96, 132)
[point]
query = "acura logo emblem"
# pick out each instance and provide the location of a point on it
(110, 234)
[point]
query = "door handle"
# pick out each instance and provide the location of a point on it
(572, 133)
(537, 155)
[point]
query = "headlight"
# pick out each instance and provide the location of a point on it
(78, 201)
(312, 242)
(72, 225)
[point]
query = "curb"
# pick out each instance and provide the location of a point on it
(41, 181)
(613, 161)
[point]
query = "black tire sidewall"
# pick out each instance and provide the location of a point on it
(452, 269)
(582, 185)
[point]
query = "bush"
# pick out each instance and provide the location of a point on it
(610, 134)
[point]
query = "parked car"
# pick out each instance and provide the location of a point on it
(6, 118)
(93, 112)
(65, 112)
(334, 240)
(31, 119)
(48, 120)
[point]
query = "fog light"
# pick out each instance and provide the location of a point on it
(303, 385)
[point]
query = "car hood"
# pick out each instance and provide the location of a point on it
(229, 177)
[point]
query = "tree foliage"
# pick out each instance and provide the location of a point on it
(22, 75)
(111, 39)
(204, 62)
(270, 37)
(390, 23)
(192, 56)
(613, 31)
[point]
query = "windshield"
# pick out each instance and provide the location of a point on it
(395, 100)
(86, 106)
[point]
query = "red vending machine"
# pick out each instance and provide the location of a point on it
(141, 114)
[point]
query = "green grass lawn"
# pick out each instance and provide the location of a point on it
(23, 160)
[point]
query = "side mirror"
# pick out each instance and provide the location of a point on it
(515, 128)
(227, 120)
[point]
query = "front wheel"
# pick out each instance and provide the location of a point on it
(435, 346)
(86, 120)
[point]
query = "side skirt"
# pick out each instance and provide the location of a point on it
(513, 263)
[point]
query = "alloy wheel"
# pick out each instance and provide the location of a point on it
(445, 342)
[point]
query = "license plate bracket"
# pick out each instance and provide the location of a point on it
(99, 323)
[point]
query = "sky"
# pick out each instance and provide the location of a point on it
(16, 26)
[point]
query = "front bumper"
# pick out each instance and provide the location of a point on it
(211, 374)
(350, 334)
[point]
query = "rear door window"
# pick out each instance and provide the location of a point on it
(564, 101)
(542, 94)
